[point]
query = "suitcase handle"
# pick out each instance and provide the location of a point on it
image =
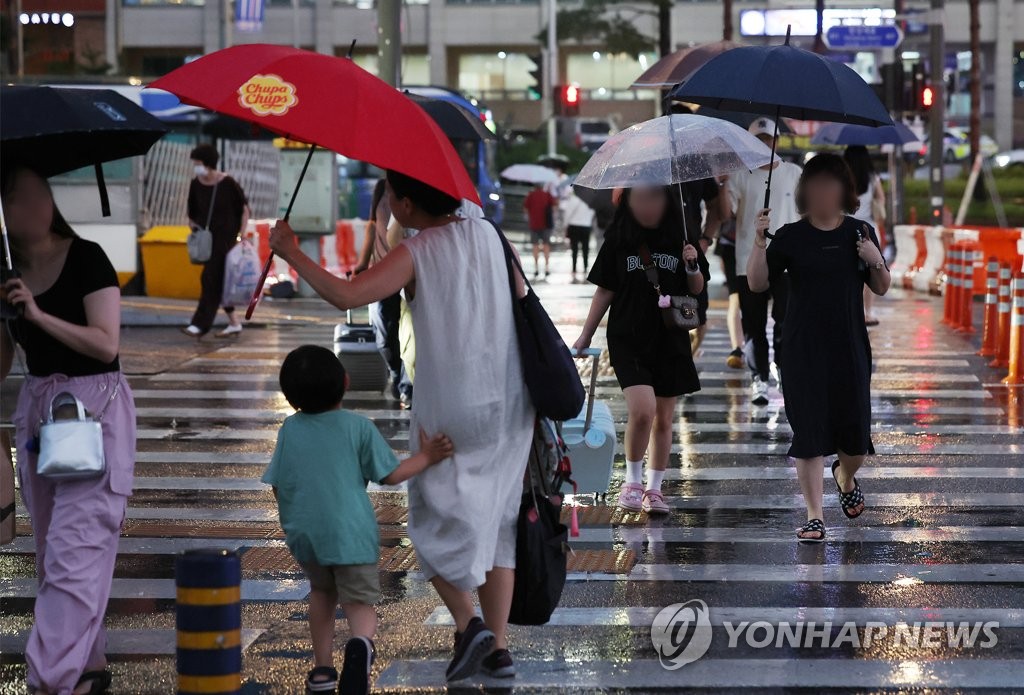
(594, 354)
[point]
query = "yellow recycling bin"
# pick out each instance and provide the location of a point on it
(169, 272)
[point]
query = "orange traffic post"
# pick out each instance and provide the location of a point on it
(1002, 356)
(952, 283)
(1016, 361)
(990, 327)
(966, 313)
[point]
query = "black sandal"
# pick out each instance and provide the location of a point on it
(328, 685)
(849, 500)
(100, 681)
(812, 526)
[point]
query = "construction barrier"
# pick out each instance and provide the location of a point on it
(209, 622)
(990, 321)
(1016, 347)
(971, 259)
(930, 276)
(911, 254)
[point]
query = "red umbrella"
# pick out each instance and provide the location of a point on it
(676, 67)
(328, 102)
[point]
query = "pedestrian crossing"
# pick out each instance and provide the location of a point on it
(941, 541)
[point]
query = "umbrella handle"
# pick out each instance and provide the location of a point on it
(270, 259)
(259, 287)
(771, 163)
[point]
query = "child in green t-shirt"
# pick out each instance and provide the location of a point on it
(324, 458)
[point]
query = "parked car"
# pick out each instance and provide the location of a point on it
(1010, 158)
(586, 134)
(956, 146)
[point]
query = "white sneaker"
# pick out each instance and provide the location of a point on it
(192, 331)
(759, 392)
(230, 330)
(776, 375)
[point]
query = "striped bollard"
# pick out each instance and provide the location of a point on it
(1016, 361)
(952, 284)
(1002, 356)
(209, 622)
(966, 313)
(990, 327)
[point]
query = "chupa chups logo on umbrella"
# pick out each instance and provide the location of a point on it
(267, 95)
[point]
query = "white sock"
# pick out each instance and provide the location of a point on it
(654, 479)
(635, 472)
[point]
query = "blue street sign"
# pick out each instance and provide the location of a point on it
(860, 37)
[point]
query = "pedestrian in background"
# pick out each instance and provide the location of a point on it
(871, 209)
(830, 257)
(725, 248)
(69, 327)
(746, 188)
(654, 366)
(385, 315)
(215, 202)
(323, 460)
(579, 220)
(539, 205)
(470, 385)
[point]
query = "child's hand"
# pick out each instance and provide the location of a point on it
(436, 448)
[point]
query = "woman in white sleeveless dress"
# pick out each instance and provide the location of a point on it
(469, 385)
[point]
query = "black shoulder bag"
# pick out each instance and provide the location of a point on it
(548, 367)
(681, 313)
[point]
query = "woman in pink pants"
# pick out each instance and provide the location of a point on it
(68, 322)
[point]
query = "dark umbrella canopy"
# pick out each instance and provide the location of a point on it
(56, 130)
(456, 121)
(846, 134)
(785, 81)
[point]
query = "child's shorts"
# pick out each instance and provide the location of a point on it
(354, 583)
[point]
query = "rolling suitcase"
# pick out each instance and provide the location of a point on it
(355, 344)
(590, 439)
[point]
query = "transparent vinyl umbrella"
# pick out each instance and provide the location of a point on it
(670, 150)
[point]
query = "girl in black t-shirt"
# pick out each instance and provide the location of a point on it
(68, 322)
(653, 365)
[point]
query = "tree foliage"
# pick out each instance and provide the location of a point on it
(611, 24)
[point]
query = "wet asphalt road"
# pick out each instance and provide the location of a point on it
(942, 541)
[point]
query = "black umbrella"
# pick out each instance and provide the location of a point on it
(455, 121)
(56, 130)
(787, 81)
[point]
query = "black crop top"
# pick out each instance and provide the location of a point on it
(86, 270)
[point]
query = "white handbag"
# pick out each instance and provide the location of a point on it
(70, 449)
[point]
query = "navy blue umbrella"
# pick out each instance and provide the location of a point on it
(848, 134)
(784, 81)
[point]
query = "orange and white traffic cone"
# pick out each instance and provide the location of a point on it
(965, 315)
(1016, 362)
(990, 327)
(952, 289)
(1002, 357)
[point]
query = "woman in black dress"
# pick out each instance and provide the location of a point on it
(830, 257)
(653, 365)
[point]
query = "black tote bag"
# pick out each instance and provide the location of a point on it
(542, 543)
(548, 367)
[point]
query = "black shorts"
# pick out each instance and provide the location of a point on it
(728, 255)
(669, 375)
(540, 236)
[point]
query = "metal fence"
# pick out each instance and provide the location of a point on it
(167, 172)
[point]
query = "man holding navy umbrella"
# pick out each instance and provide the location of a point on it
(746, 189)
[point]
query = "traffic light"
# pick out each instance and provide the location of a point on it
(927, 97)
(569, 98)
(535, 90)
(893, 88)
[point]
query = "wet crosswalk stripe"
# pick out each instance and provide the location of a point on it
(127, 642)
(122, 589)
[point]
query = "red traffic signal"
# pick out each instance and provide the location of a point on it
(927, 97)
(569, 96)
